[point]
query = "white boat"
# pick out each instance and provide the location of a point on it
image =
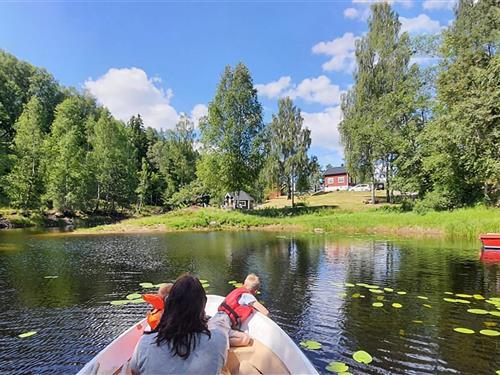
(272, 351)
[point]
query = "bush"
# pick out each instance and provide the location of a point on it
(433, 201)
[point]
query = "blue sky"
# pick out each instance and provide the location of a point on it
(164, 58)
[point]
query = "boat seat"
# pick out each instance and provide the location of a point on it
(253, 359)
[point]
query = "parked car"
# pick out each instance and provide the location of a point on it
(361, 187)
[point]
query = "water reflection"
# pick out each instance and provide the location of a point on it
(303, 286)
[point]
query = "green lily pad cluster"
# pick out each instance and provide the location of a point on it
(341, 368)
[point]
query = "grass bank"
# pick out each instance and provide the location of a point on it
(465, 223)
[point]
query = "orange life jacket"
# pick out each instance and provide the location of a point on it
(236, 312)
(154, 315)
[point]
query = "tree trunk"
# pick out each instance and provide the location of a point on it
(373, 189)
(387, 171)
(98, 198)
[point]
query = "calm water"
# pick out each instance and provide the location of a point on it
(303, 286)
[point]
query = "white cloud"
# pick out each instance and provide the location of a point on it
(405, 3)
(324, 128)
(439, 4)
(341, 51)
(420, 24)
(351, 13)
(274, 89)
(129, 91)
(316, 90)
(313, 90)
(198, 111)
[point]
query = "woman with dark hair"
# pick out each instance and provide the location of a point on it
(184, 342)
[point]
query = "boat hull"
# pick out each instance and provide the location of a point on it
(115, 356)
(490, 241)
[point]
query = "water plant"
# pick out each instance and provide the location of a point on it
(310, 344)
(27, 334)
(338, 367)
(362, 357)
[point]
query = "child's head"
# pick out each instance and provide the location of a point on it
(164, 289)
(252, 282)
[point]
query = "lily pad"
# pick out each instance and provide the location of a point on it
(489, 332)
(417, 321)
(232, 282)
(362, 284)
(450, 300)
(370, 286)
(147, 285)
(462, 301)
(490, 324)
(120, 302)
(449, 293)
(203, 281)
(494, 313)
(477, 311)
(461, 295)
(356, 295)
(464, 330)
(389, 289)
(427, 305)
(422, 297)
(478, 296)
(310, 344)
(377, 304)
(397, 305)
(205, 285)
(133, 296)
(362, 357)
(495, 299)
(238, 285)
(376, 291)
(349, 285)
(27, 334)
(337, 367)
(137, 300)
(380, 298)
(401, 293)
(51, 277)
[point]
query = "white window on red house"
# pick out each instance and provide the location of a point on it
(330, 180)
(341, 179)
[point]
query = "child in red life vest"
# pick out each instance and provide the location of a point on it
(157, 301)
(239, 306)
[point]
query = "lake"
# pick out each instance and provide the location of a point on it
(303, 284)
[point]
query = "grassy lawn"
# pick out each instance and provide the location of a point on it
(348, 200)
(463, 223)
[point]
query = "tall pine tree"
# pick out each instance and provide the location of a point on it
(25, 181)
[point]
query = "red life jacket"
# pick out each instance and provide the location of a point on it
(236, 312)
(154, 316)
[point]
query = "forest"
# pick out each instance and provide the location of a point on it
(430, 130)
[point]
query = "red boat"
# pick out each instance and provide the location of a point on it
(491, 246)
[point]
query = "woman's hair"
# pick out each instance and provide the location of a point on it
(183, 317)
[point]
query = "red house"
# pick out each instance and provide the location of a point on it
(337, 178)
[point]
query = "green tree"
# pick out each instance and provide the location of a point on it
(462, 144)
(24, 184)
(288, 162)
(138, 137)
(113, 159)
(68, 174)
(381, 104)
(231, 134)
(144, 184)
(175, 156)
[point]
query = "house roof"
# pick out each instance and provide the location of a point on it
(240, 196)
(335, 171)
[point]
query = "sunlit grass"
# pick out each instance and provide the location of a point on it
(465, 223)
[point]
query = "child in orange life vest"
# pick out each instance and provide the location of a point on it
(157, 301)
(239, 305)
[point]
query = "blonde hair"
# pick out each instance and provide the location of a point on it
(252, 282)
(164, 289)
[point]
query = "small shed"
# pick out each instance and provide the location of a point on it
(240, 199)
